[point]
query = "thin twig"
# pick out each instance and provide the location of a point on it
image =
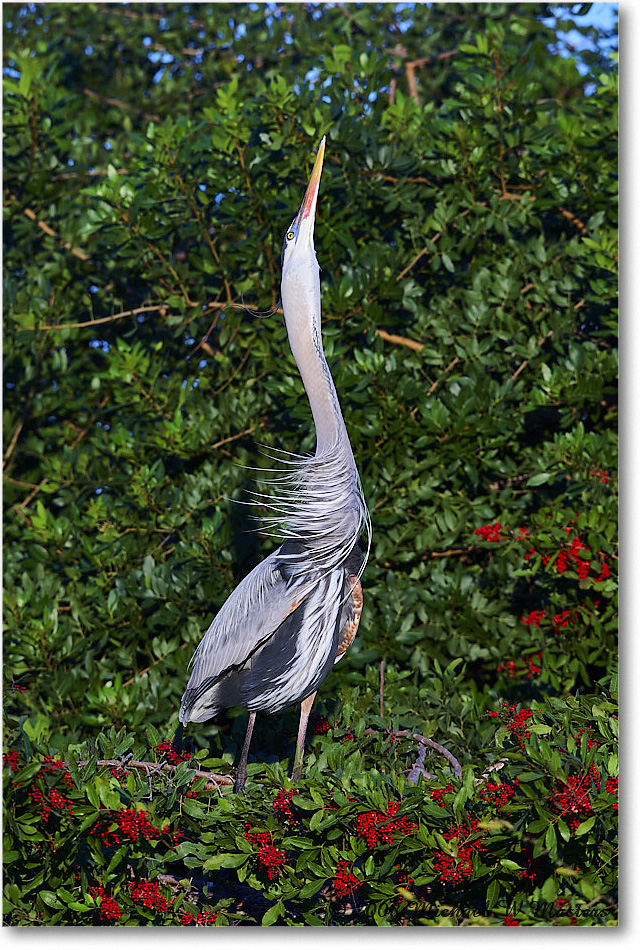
(16, 481)
(450, 366)
(400, 340)
(424, 740)
(571, 217)
(493, 767)
(412, 263)
(381, 681)
(156, 766)
(30, 497)
(120, 105)
(451, 552)
(239, 435)
(12, 444)
(49, 231)
(418, 769)
(525, 363)
(162, 307)
(149, 771)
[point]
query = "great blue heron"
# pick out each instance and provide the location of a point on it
(278, 634)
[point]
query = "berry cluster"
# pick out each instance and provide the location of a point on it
(201, 921)
(498, 795)
(603, 476)
(270, 857)
(376, 826)
(437, 794)
(590, 742)
(10, 759)
(455, 869)
(131, 823)
(490, 532)
(510, 921)
(168, 752)
(570, 558)
(320, 724)
(49, 799)
(534, 618)
(566, 618)
(535, 867)
(573, 555)
(190, 793)
(571, 799)
(46, 798)
(283, 805)
(175, 837)
(403, 881)
(527, 667)
(344, 880)
(109, 906)
(611, 786)
(272, 860)
(148, 894)
(257, 837)
(517, 722)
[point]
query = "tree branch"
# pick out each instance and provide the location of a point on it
(44, 227)
(399, 340)
(424, 741)
(154, 766)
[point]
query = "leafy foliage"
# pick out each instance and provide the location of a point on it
(467, 237)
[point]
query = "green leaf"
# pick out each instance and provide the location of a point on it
(585, 826)
(492, 894)
(225, 861)
(540, 479)
(310, 889)
(272, 914)
(50, 899)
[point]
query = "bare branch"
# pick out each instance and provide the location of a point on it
(400, 340)
(94, 323)
(155, 767)
(44, 227)
(423, 740)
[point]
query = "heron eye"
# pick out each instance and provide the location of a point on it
(290, 235)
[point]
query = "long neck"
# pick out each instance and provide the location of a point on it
(331, 432)
(323, 509)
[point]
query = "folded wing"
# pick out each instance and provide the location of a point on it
(271, 644)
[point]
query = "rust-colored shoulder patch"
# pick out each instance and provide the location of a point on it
(348, 633)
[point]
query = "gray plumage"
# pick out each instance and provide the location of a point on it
(277, 636)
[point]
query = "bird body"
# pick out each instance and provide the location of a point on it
(281, 630)
(274, 640)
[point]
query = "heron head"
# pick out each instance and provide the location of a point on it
(299, 266)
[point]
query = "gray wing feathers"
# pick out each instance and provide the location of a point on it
(252, 612)
(296, 660)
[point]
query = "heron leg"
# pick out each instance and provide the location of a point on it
(177, 741)
(306, 707)
(241, 771)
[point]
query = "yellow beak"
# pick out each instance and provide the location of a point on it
(312, 192)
